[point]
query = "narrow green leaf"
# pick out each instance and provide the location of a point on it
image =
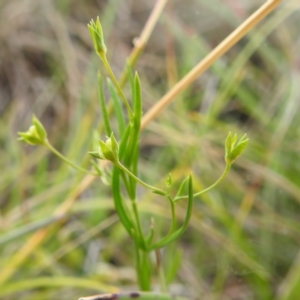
(95, 154)
(114, 145)
(117, 106)
(233, 141)
(132, 152)
(190, 204)
(103, 106)
(124, 142)
(119, 202)
(181, 190)
(137, 106)
(131, 80)
(243, 138)
(134, 167)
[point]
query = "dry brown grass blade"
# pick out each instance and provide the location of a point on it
(21, 255)
(36, 239)
(204, 64)
(141, 42)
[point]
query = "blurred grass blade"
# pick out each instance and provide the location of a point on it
(25, 229)
(43, 282)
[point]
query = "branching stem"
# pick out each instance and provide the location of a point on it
(66, 160)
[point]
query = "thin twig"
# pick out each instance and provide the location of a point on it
(141, 42)
(204, 64)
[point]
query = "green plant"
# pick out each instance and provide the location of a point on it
(124, 155)
(242, 237)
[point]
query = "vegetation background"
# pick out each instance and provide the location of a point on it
(244, 237)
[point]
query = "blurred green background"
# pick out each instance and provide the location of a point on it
(244, 237)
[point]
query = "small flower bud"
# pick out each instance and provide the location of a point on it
(97, 36)
(233, 150)
(39, 127)
(108, 150)
(105, 150)
(36, 134)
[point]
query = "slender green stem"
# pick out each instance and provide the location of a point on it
(138, 222)
(173, 213)
(139, 233)
(143, 269)
(123, 168)
(66, 160)
(115, 81)
(162, 277)
(127, 186)
(137, 264)
(222, 177)
(171, 236)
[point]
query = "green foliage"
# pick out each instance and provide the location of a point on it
(109, 150)
(96, 32)
(242, 236)
(232, 149)
(36, 134)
